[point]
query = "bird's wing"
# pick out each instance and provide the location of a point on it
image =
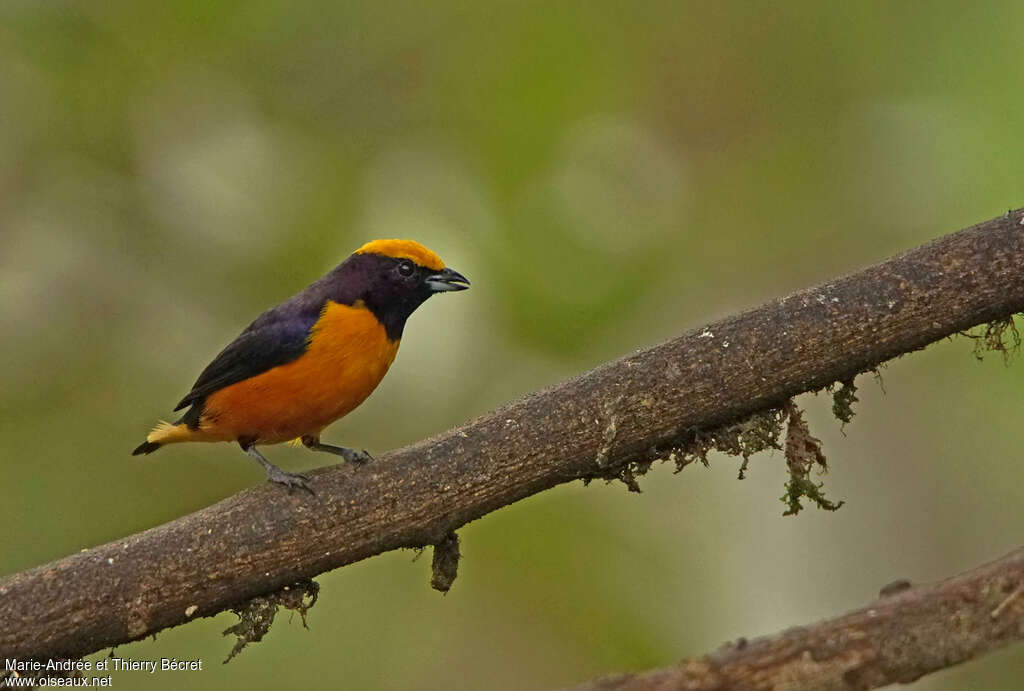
(276, 338)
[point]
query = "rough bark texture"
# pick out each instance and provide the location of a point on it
(905, 634)
(629, 410)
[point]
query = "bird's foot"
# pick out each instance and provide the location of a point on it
(275, 474)
(289, 480)
(356, 457)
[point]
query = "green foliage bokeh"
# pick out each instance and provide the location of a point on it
(608, 175)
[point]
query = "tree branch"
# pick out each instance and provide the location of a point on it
(629, 411)
(907, 633)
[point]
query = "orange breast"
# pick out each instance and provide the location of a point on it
(349, 353)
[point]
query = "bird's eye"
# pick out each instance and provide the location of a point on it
(405, 267)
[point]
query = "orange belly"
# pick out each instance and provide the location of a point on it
(348, 354)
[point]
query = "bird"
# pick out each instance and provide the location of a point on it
(311, 359)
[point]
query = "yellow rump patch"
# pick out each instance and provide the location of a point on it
(403, 249)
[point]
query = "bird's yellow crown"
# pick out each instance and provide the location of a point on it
(403, 249)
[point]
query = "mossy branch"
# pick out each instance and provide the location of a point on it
(613, 421)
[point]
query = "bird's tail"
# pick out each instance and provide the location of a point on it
(146, 447)
(163, 433)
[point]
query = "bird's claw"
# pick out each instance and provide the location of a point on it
(289, 480)
(358, 457)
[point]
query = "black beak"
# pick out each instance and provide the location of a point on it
(447, 280)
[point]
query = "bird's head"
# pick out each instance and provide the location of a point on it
(394, 277)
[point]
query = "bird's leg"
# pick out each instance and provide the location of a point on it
(275, 474)
(350, 455)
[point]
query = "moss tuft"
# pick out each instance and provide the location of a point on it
(256, 616)
(843, 399)
(759, 432)
(445, 565)
(999, 336)
(803, 454)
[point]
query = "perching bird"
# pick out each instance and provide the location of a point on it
(312, 359)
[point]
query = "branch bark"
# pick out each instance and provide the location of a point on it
(628, 411)
(907, 633)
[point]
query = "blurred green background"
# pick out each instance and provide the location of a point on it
(608, 175)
